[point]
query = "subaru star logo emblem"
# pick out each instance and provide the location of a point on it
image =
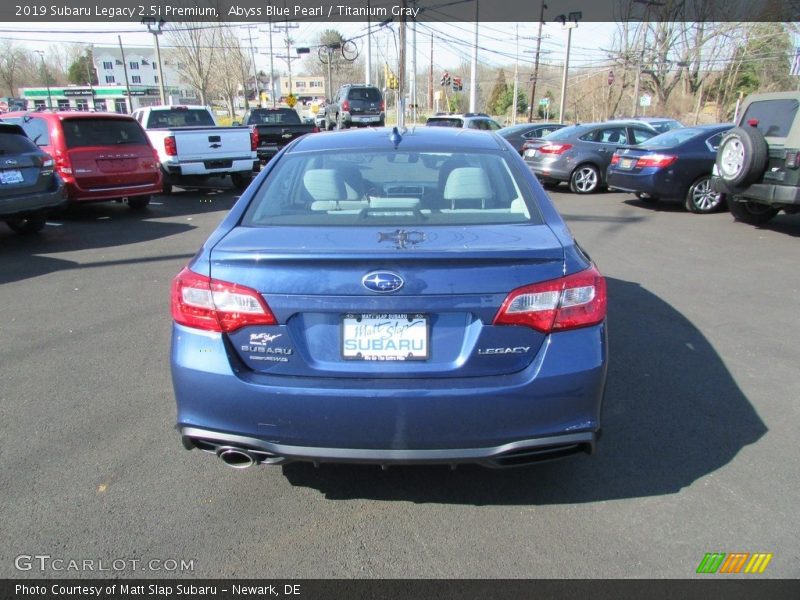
(382, 281)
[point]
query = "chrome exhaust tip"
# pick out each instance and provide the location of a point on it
(236, 458)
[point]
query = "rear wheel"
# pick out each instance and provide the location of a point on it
(340, 122)
(138, 202)
(701, 197)
(166, 186)
(752, 213)
(585, 180)
(28, 224)
(241, 180)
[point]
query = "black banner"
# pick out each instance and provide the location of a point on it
(404, 589)
(378, 11)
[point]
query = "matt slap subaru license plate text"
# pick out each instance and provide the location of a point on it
(385, 336)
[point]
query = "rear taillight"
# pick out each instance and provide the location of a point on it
(63, 164)
(381, 106)
(315, 130)
(615, 159)
(656, 160)
(555, 148)
(170, 147)
(204, 303)
(792, 159)
(574, 301)
(346, 105)
(253, 139)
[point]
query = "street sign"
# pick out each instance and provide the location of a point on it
(544, 102)
(291, 100)
(644, 100)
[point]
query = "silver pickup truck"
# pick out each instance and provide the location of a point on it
(191, 146)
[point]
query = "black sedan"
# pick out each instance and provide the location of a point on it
(675, 165)
(517, 135)
(29, 185)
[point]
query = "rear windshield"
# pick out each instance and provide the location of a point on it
(15, 143)
(79, 133)
(352, 188)
(775, 117)
(189, 117)
(368, 94)
(444, 122)
(564, 133)
(673, 138)
(664, 126)
(270, 117)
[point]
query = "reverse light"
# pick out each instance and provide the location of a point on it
(656, 160)
(212, 305)
(170, 147)
(571, 302)
(555, 148)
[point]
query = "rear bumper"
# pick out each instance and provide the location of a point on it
(363, 119)
(763, 193)
(222, 166)
(29, 203)
(551, 407)
(558, 169)
(111, 192)
(653, 184)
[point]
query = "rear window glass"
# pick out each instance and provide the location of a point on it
(15, 143)
(664, 126)
(368, 94)
(673, 138)
(564, 133)
(775, 117)
(190, 117)
(444, 122)
(35, 128)
(102, 132)
(357, 188)
(268, 117)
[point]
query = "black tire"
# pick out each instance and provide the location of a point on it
(241, 180)
(751, 213)
(28, 224)
(166, 186)
(742, 157)
(138, 202)
(329, 125)
(340, 123)
(585, 179)
(701, 198)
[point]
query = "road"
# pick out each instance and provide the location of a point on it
(698, 454)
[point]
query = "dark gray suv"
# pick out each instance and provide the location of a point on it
(758, 162)
(355, 105)
(580, 154)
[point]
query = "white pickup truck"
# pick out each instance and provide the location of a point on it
(191, 146)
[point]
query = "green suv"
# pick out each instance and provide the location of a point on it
(758, 162)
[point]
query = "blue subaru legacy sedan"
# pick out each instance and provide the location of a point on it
(391, 297)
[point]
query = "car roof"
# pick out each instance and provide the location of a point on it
(69, 114)
(418, 139)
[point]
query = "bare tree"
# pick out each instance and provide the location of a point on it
(232, 68)
(193, 49)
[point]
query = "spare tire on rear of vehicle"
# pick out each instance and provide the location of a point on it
(742, 157)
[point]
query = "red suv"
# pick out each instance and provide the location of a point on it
(100, 156)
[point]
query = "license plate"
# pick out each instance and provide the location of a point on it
(358, 119)
(385, 337)
(626, 163)
(11, 176)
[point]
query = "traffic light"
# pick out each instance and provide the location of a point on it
(393, 82)
(446, 79)
(458, 85)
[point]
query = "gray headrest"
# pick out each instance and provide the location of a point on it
(467, 183)
(325, 184)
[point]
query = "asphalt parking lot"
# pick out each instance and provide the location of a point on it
(698, 454)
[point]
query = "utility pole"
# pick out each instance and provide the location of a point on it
(430, 79)
(569, 23)
(47, 77)
(401, 71)
(414, 68)
(157, 32)
(473, 71)
(271, 67)
(288, 58)
(125, 70)
(536, 63)
(253, 58)
(368, 53)
(516, 74)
